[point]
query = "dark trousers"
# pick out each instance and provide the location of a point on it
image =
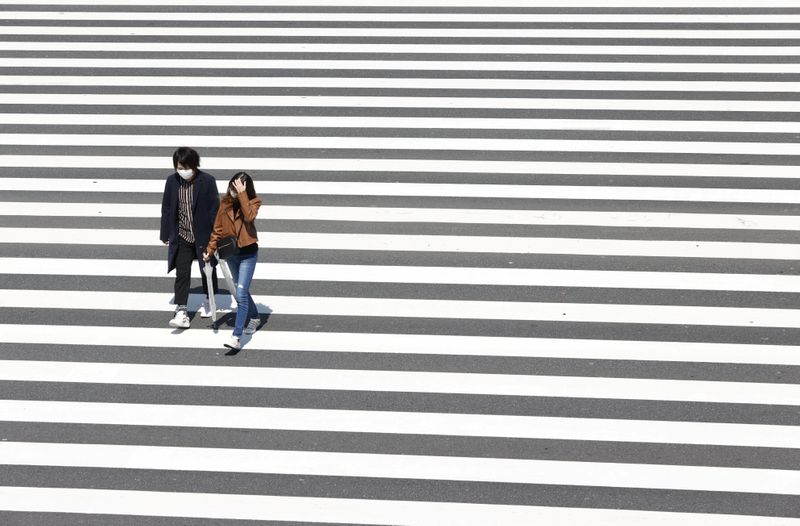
(183, 272)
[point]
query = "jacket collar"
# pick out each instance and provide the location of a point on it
(230, 214)
(195, 190)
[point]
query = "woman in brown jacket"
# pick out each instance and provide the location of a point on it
(237, 217)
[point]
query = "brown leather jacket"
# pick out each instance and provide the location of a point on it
(244, 223)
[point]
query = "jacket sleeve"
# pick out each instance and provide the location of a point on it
(249, 207)
(166, 208)
(216, 233)
(214, 197)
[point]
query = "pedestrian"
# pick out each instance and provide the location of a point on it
(237, 218)
(188, 209)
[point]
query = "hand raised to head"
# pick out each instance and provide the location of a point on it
(239, 186)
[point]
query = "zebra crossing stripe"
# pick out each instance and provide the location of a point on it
(487, 168)
(565, 49)
(477, 4)
(391, 143)
(241, 32)
(412, 344)
(343, 510)
(563, 18)
(421, 308)
(414, 65)
(431, 215)
(418, 467)
(402, 382)
(399, 422)
(676, 104)
(517, 277)
(431, 243)
(414, 83)
(485, 190)
(459, 123)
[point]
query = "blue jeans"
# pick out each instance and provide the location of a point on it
(242, 269)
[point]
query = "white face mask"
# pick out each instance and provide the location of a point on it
(186, 174)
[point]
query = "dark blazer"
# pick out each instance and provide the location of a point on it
(205, 203)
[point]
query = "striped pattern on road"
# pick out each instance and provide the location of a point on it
(212, 31)
(386, 143)
(415, 467)
(521, 261)
(402, 423)
(407, 17)
(419, 344)
(402, 382)
(499, 191)
(431, 215)
(339, 510)
(466, 103)
(256, 47)
(271, 122)
(509, 246)
(407, 308)
(534, 277)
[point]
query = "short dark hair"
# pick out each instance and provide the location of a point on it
(187, 157)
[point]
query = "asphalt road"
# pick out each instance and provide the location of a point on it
(520, 263)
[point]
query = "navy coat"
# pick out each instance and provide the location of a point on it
(205, 203)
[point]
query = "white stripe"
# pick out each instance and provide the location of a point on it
(351, 511)
(419, 467)
(699, 33)
(429, 3)
(519, 277)
(415, 65)
(269, 47)
(404, 143)
(694, 18)
(419, 308)
(432, 215)
(408, 165)
(247, 121)
(486, 191)
(422, 344)
(432, 243)
(400, 83)
(402, 382)
(396, 422)
(400, 102)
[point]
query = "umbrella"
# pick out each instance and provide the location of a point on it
(212, 300)
(226, 272)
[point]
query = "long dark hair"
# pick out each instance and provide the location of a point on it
(249, 187)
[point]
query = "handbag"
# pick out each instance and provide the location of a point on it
(228, 247)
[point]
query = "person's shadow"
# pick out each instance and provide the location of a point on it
(228, 319)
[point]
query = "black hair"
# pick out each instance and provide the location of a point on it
(249, 188)
(187, 157)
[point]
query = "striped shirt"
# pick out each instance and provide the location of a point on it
(185, 229)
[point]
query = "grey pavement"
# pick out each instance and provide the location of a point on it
(239, 445)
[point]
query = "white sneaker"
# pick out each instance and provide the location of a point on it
(181, 320)
(233, 343)
(205, 310)
(252, 326)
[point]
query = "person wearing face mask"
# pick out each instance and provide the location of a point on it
(188, 208)
(237, 218)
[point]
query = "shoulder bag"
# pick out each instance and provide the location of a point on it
(228, 247)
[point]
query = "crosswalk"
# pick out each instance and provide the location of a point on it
(522, 262)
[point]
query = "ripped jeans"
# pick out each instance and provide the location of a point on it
(242, 268)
